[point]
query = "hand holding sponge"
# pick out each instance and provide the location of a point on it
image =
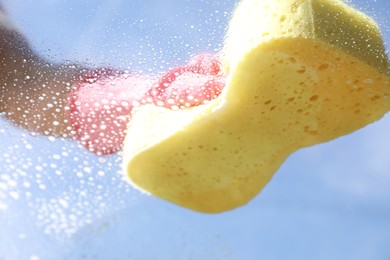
(300, 72)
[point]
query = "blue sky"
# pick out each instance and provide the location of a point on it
(57, 201)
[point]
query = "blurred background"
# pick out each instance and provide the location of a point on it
(58, 201)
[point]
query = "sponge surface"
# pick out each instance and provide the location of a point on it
(288, 89)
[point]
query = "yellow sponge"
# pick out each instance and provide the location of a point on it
(329, 21)
(300, 73)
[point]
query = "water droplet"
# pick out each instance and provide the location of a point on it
(56, 156)
(14, 195)
(34, 257)
(38, 168)
(63, 203)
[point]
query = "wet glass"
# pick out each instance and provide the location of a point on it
(60, 201)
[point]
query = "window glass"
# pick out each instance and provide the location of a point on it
(60, 201)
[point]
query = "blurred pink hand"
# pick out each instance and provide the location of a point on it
(101, 104)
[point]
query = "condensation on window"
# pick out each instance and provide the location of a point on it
(63, 198)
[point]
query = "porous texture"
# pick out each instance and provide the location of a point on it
(293, 87)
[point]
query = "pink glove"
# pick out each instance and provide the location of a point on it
(102, 102)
